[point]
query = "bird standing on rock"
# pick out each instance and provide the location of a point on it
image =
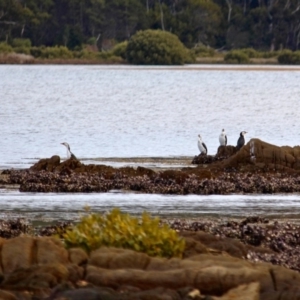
(69, 153)
(223, 138)
(241, 140)
(202, 147)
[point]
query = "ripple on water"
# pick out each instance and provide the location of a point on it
(105, 111)
(72, 206)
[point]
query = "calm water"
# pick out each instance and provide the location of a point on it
(49, 207)
(112, 111)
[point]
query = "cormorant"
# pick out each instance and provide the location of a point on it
(202, 147)
(223, 138)
(69, 153)
(241, 140)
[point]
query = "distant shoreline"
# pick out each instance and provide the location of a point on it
(202, 63)
(189, 67)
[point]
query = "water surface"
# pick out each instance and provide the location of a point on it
(107, 113)
(61, 206)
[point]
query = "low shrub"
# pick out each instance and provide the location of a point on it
(104, 55)
(21, 43)
(121, 230)
(288, 57)
(269, 54)
(5, 48)
(120, 49)
(56, 52)
(202, 51)
(236, 57)
(250, 52)
(92, 41)
(156, 47)
(22, 49)
(85, 54)
(37, 51)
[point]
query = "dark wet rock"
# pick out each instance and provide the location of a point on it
(48, 164)
(12, 228)
(223, 153)
(256, 168)
(58, 229)
(220, 263)
(265, 156)
(195, 181)
(203, 159)
(261, 240)
(257, 153)
(6, 295)
(91, 293)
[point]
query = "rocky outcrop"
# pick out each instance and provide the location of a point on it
(223, 153)
(265, 155)
(200, 181)
(36, 268)
(258, 167)
(212, 267)
(257, 153)
(47, 164)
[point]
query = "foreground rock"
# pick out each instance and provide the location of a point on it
(41, 268)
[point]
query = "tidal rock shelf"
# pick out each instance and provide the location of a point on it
(250, 259)
(258, 167)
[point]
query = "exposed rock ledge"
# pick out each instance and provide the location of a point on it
(258, 167)
(41, 268)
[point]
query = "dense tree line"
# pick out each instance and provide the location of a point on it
(220, 24)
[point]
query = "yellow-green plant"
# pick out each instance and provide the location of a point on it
(117, 229)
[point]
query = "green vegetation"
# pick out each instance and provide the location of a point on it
(5, 48)
(216, 24)
(288, 57)
(121, 230)
(202, 51)
(56, 52)
(156, 47)
(120, 49)
(236, 57)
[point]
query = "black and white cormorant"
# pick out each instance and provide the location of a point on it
(223, 138)
(241, 140)
(202, 147)
(69, 153)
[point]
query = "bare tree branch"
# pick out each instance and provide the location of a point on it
(8, 22)
(229, 4)
(161, 16)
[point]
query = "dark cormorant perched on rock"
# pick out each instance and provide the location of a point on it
(69, 153)
(241, 140)
(202, 147)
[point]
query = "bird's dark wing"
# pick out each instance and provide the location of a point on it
(240, 142)
(225, 140)
(204, 147)
(73, 156)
